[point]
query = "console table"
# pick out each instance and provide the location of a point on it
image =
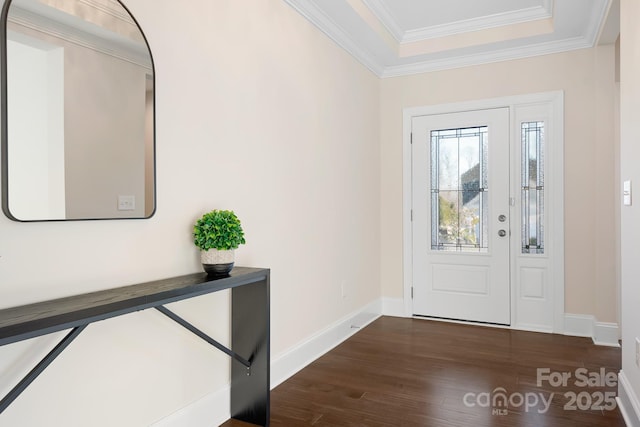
(249, 328)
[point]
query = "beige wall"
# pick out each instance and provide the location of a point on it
(587, 79)
(630, 215)
(104, 158)
(259, 112)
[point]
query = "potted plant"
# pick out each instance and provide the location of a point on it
(218, 233)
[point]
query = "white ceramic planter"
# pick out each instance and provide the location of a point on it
(216, 262)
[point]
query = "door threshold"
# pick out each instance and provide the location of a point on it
(462, 321)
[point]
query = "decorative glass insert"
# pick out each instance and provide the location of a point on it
(459, 186)
(532, 134)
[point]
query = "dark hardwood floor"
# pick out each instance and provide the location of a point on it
(409, 372)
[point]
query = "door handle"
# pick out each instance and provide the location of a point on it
(502, 233)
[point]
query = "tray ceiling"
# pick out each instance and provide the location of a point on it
(399, 37)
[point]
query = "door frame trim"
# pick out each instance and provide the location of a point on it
(556, 194)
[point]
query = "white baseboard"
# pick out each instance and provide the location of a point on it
(628, 402)
(393, 307)
(584, 325)
(214, 408)
(578, 325)
(605, 333)
(291, 361)
(209, 411)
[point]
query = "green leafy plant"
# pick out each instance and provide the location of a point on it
(218, 229)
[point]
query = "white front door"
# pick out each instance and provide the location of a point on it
(461, 216)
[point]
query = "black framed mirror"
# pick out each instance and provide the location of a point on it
(78, 112)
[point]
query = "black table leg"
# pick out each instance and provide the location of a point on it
(250, 338)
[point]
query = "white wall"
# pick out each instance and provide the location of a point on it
(588, 80)
(36, 174)
(259, 112)
(630, 215)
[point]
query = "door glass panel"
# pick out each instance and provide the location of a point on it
(459, 190)
(532, 187)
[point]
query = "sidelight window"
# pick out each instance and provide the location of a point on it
(532, 167)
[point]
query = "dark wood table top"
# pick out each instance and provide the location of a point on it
(31, 320)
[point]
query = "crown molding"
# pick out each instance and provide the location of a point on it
(385, 17)
(43, 25)
(309, 10)
(598, 21)
(477, 24)
(112, 8)
(378, 8)
(488, 57)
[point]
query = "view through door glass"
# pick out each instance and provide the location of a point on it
(458, 189)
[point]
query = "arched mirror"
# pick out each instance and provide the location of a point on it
(77, 112)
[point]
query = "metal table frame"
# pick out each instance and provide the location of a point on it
(250, 328)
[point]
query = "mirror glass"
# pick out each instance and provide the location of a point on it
(77, 112)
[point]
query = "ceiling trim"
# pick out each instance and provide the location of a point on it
(478, 24)
(610, 30)
(384, 16)
(488, 57)
(317, 17)
(44, 25)
(112, 8)
(598, 22)
(545, 11)
(309, 10)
